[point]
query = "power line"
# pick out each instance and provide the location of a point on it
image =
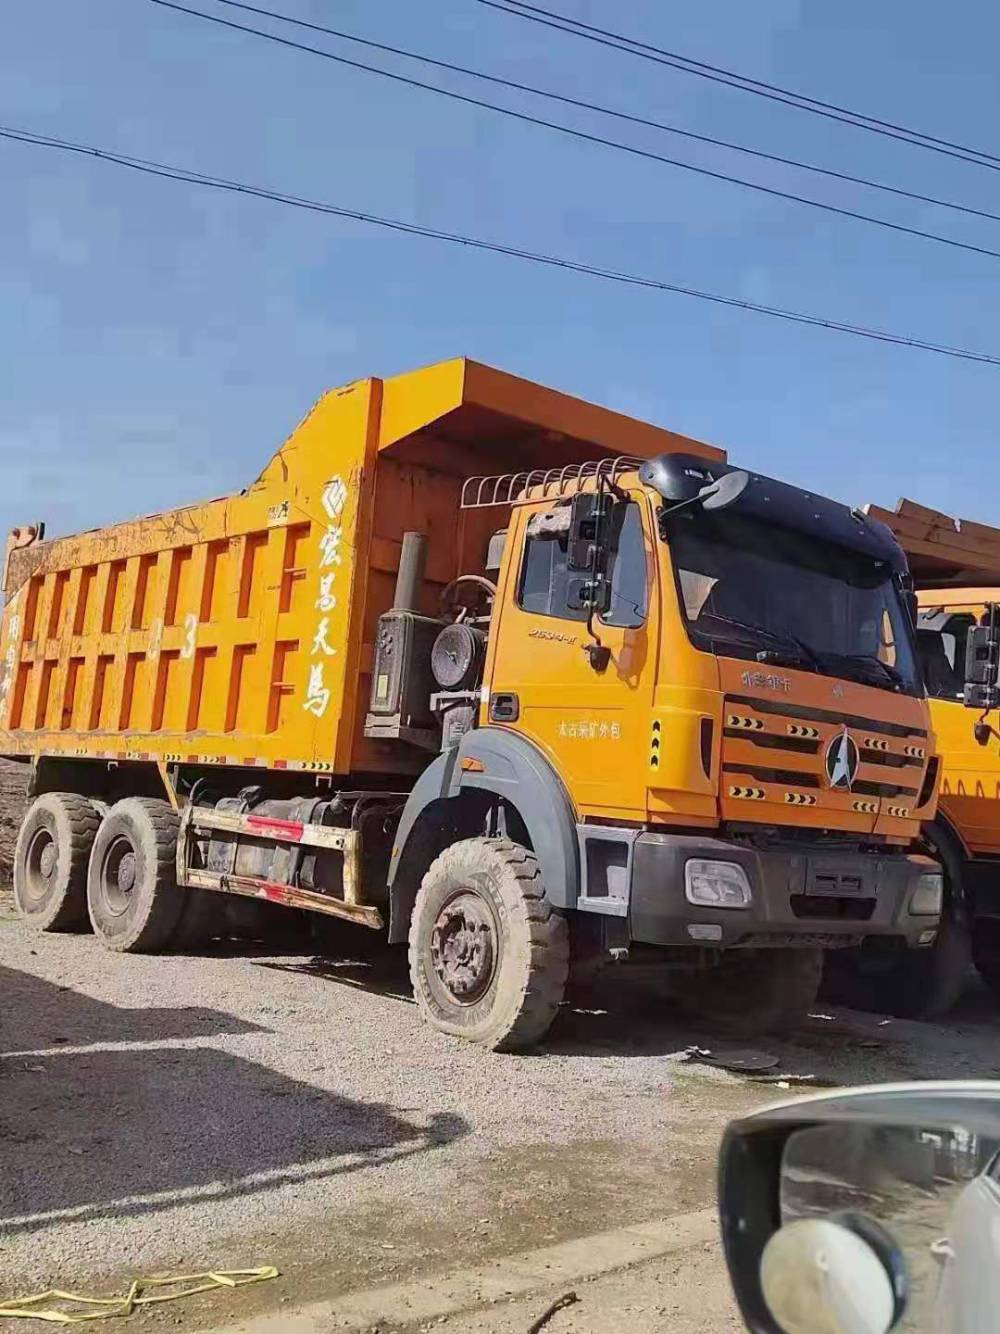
(630, 118)
(583, 135)
(717, 74)
(190, 177)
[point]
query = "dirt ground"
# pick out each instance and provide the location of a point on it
(253, 1106)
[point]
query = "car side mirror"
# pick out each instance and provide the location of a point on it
(982, 666)
(846, 1212)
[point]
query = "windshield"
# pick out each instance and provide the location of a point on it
(751, 590)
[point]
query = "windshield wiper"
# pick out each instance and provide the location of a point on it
(792, 651)
(891, 674)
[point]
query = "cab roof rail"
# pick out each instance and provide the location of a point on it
(514, 488)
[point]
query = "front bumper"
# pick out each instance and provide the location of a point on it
(799, 896)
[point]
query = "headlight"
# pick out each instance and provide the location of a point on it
(928, 894)
(716, 884)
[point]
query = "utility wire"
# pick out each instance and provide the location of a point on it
(582, 105)
(584, 135)
(183, 174)
(801, 101)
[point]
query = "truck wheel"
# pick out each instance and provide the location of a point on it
(132, 892)
(986, 957)
(752, 992)
(50, 861)
(908, 983)
(488, 955)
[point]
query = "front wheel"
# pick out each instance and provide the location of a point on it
(488, 954)
(919, 983)
(986, 957)
(753, 992)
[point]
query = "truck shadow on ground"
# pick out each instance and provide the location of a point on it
(120, 1132)
(835, 1047)
(626, 1013)
(631, 1013)
(382, 975)
(37, 1015)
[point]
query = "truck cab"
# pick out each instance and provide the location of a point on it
(707, 683)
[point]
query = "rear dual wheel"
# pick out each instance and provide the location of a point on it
(133, 898)
(51, 859)
(79, 864)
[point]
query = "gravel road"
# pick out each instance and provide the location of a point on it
(248, 1106)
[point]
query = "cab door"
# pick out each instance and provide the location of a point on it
(592, 724)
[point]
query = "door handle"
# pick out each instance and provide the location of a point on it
(505, 707)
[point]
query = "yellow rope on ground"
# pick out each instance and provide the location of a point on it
(34, 1308)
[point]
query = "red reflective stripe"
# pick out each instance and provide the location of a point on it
(289, 828)
(267, 889)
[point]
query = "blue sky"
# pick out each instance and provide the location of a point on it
(157, 342)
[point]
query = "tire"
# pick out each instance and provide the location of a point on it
(755, 992)
(986, 957)
(486, 895)
(132, 894)
(919, 983)
(50, 861)
(908, 983)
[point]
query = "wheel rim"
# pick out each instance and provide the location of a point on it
(40, 863)
(118, 875)
(464, 947)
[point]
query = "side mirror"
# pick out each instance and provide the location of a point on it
(718, 494)
(595, 524)
(714, 495)
(848, 1212)
(584, 593)
(982, 666)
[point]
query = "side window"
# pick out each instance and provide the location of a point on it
(629, 595)
(941, 641)
(544, 575)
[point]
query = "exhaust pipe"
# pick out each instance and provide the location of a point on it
(409, 580)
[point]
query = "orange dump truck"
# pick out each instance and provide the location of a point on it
(955, 566)
(500, 672)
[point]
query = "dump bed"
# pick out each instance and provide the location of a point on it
(240, 631)
(943, 551)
